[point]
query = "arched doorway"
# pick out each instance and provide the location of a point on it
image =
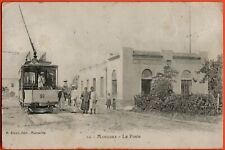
(146, 80)
(114, 84)
(186, 82)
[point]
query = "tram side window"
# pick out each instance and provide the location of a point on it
(29, 78)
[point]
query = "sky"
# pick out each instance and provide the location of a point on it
(76, 35)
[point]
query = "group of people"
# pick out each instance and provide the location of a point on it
(110, 102)
(71, 97)
(68, 96)
(88, 99)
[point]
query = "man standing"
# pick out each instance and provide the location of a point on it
(74, 96)
(108, 101)
(65, 90)
(59, 95)
(61, 100)
(93, 100)
(85, 97)
(41, 80)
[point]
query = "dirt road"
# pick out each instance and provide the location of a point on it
(108, 128)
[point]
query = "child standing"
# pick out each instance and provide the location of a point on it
(114, 104)
(93, 100)
(108, 101)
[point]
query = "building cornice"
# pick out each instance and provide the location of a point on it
(187, 57)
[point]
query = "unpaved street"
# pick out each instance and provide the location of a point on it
(107, 128)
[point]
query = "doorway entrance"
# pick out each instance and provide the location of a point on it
(146, 86)
(114, 84)
(146, 81)
(186, 87)
(186, 82)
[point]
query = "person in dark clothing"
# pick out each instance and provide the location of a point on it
(114, 104)
(66, 92)
(59, 95)
(85, 97)
(108, 101)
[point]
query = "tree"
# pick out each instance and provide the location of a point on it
(212, 70)
(170, 73)
(163, 82)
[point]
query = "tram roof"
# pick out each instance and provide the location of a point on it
(38, 64)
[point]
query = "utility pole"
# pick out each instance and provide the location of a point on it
(106, 80)
(189, 12)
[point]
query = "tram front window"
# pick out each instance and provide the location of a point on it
(29, 78)
(41, 80)
(47, 79)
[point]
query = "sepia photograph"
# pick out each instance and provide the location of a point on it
(112, 75)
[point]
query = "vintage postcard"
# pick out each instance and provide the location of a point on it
(112, 75)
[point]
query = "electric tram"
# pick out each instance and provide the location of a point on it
(38, 82)
(38, 86)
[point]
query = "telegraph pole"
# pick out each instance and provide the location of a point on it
(189, 12)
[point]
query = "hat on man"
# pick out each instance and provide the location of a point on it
(65, 81)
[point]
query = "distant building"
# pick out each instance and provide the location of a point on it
(10, 85)
(11, 62)
(130, 72)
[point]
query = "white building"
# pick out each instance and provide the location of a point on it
(130, 72)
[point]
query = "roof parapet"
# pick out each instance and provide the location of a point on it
(147, 54)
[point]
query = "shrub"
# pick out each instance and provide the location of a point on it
(195, 104)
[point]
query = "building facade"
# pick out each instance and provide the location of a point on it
(130, 72)
(11, 62)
